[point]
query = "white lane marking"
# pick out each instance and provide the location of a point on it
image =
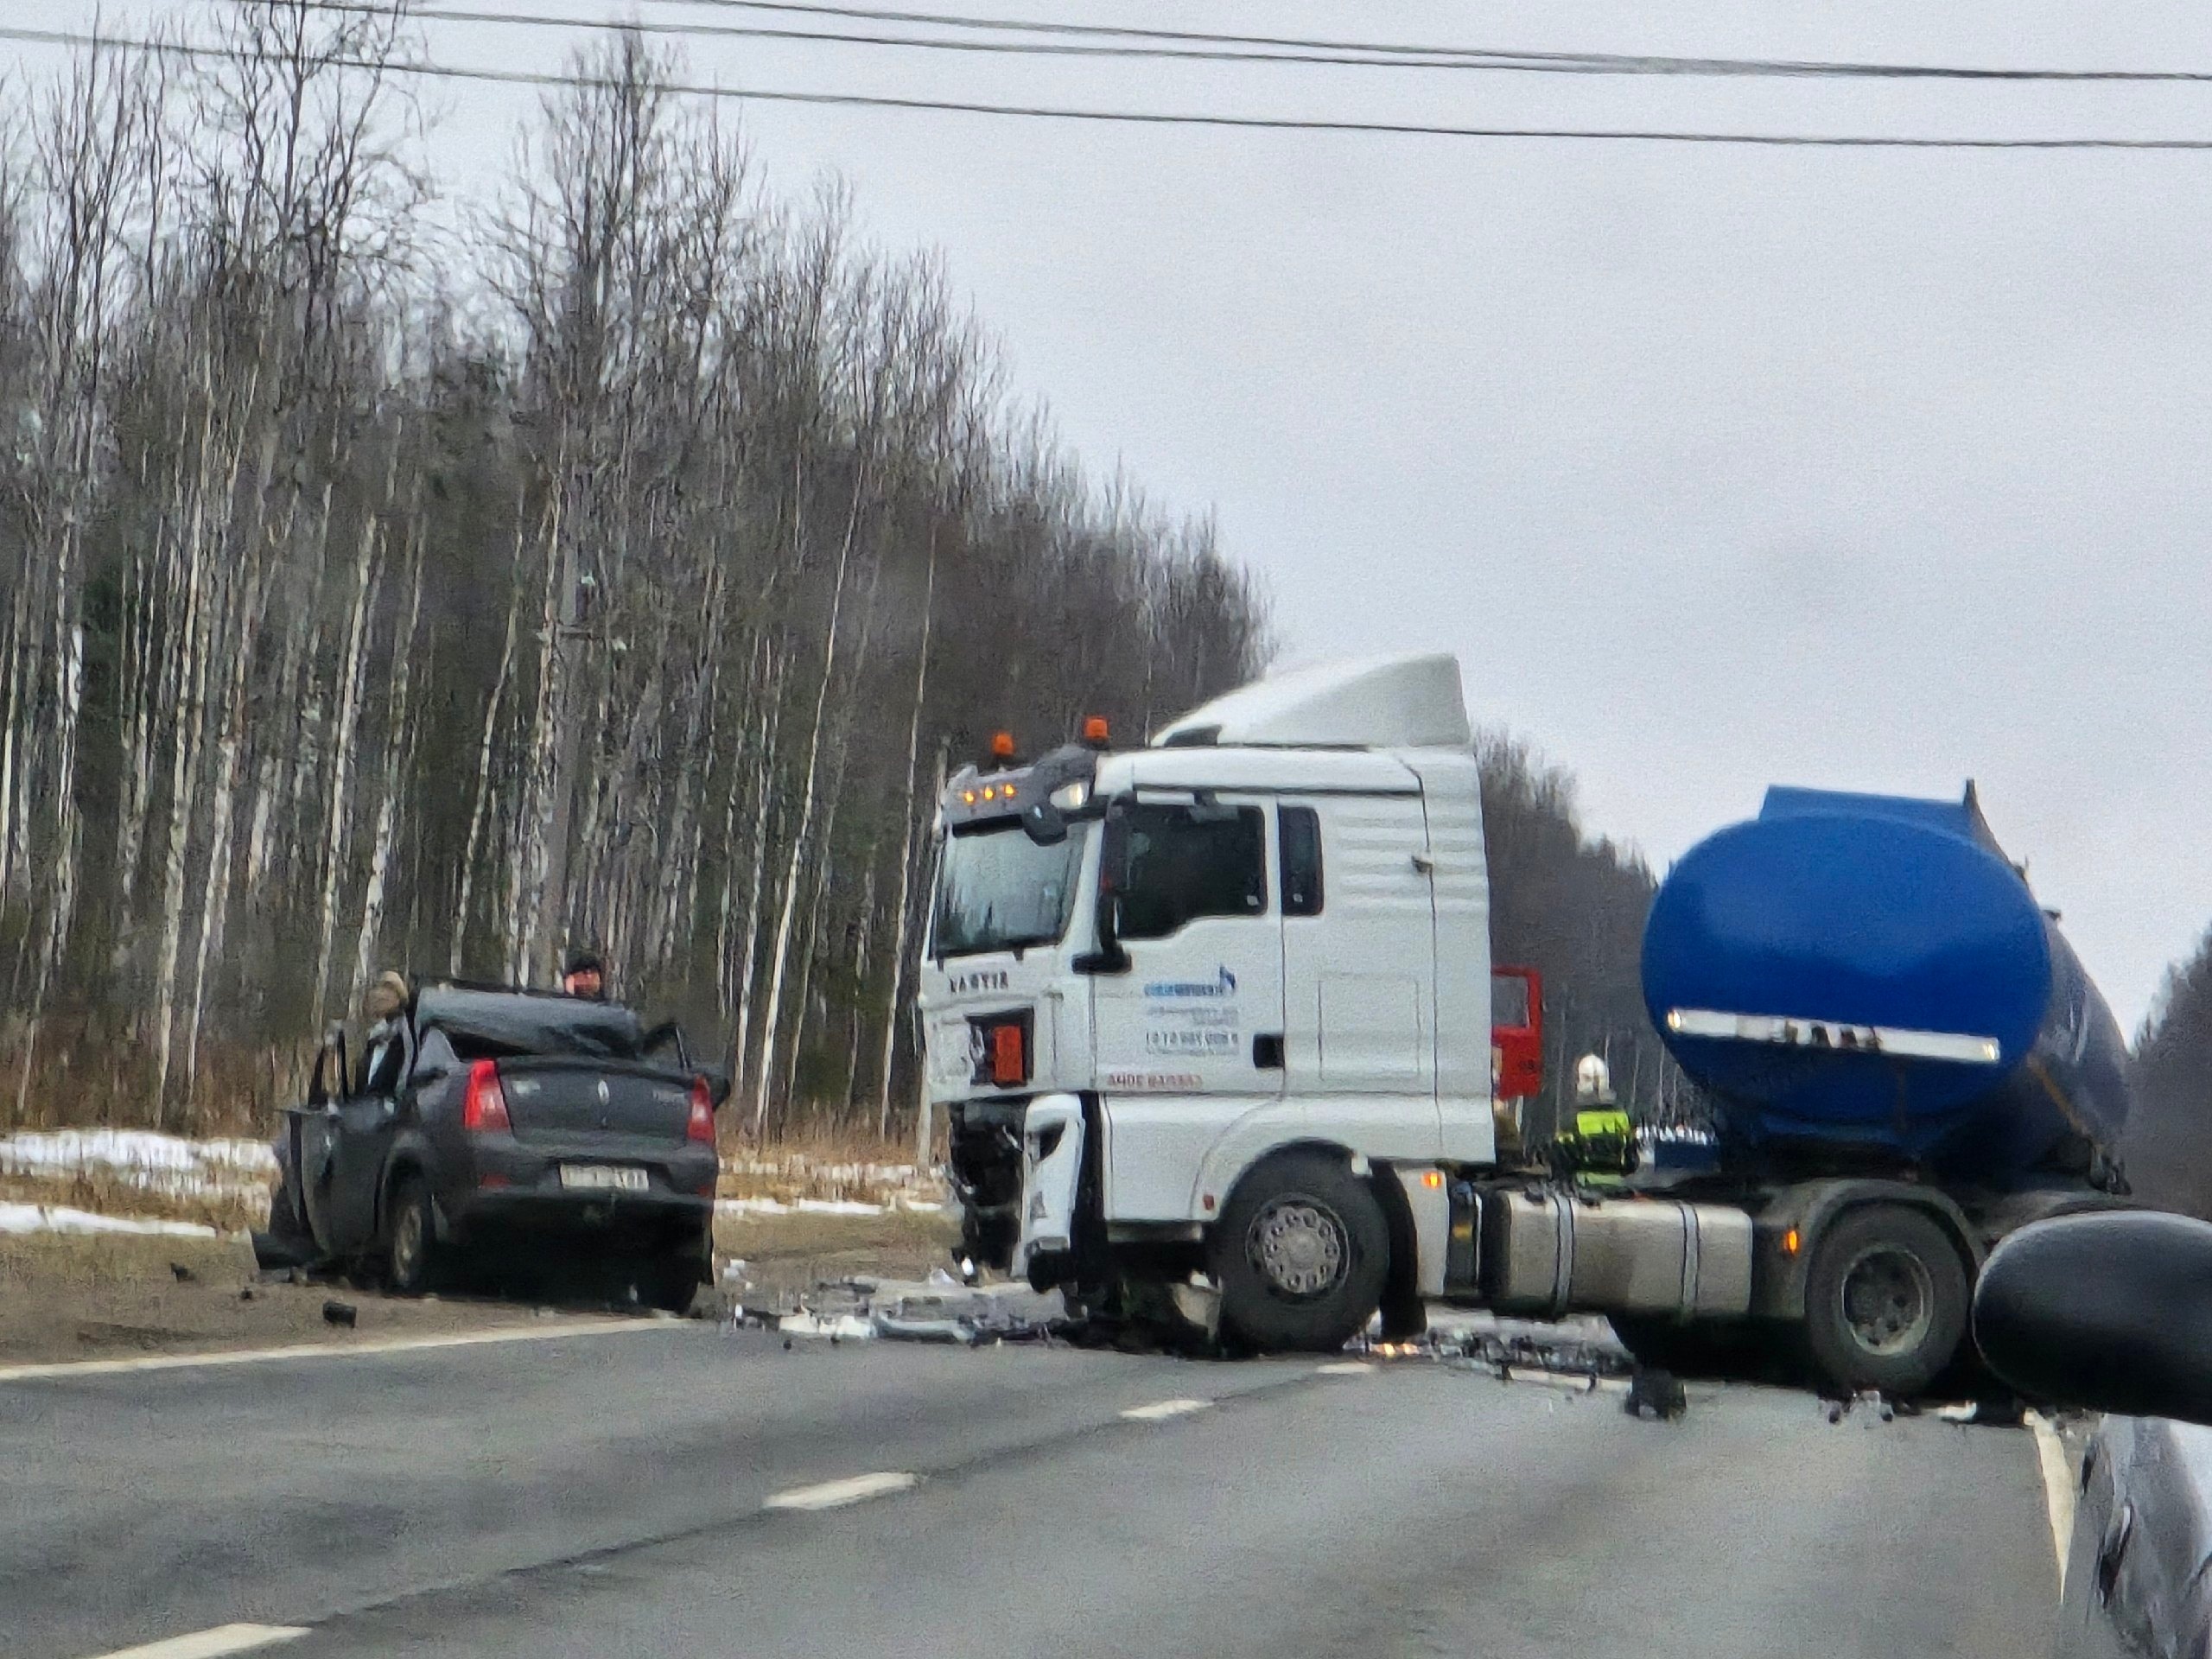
(1344, 1368)
(835, 1494)
(1163, 1408)
(210, 1644)
(2058, 1488)
(325, 1349)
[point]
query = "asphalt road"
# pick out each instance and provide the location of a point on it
(642, 1493)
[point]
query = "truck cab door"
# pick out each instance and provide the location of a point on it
(1188, 1035)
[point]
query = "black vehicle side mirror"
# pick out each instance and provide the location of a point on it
(329, 1082)
(1113, 862)
(2108, 1311)
(718, 1083)
(1045, 823)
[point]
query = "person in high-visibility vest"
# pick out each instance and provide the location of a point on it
(1600, 1150)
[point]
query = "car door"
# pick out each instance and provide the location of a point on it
(344, 1143)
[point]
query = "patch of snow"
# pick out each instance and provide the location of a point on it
(846, 1327)
(796, 1207)
(218, 1170)
(56, 1219)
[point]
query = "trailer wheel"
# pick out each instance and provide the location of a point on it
(1886, 1300)
(1301, 1254)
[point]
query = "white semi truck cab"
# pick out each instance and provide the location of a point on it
(1212, 1018)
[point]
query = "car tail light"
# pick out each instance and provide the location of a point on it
(484, 1107)
(1009, 1064)
(701, 1125)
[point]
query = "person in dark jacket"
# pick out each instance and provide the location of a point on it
(583, 975)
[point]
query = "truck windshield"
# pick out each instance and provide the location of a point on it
(998, 890)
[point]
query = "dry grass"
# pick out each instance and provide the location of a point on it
(46, 1260)
(851, 1168)
(789, 1254)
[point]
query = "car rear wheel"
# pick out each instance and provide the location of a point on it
(670, 1278)
(414, 1261)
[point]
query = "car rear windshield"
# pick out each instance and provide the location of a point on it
(491, 1026)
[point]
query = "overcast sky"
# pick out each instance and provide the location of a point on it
(1716, 466)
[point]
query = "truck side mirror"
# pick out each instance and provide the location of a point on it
(1113, 864)
(2110, 1311)
(329, 1082)
(718, 1083)
(1045, 823)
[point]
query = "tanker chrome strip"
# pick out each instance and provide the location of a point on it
(1829, 1034)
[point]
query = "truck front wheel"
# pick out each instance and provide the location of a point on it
(1301, 1254)
(1886, 1300)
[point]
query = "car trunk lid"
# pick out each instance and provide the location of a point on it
(596, 1105)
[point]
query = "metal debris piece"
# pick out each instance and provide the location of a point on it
(1876, 1407)
(1654, 1394)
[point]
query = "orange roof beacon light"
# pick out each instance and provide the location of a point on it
(1002, 748)
(1095, 735)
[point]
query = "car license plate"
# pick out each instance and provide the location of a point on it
(602, 1178)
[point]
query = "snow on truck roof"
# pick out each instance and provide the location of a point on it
(1406, 701)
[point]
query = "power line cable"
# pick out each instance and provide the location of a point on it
(1569, 62)
(1321, 56)
(1164, 119)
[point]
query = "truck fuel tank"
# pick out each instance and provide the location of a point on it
(1546, 1252)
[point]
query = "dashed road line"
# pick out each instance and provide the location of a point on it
(835, 1494)
(1160, 1409)
(2058, 1488)
(212, 1644)
(324, 1350)
(1346, 1368)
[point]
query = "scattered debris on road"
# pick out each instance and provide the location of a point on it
(935, 1310)
(1656, 1394)
(342, 1313)
(1875, 1406)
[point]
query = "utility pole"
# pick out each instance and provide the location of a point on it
(569, 634)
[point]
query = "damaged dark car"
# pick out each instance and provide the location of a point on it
(484, 1124)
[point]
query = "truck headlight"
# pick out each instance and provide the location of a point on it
(1070, 797)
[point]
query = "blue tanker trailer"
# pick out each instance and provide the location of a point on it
(1868, 977)
(1905, 1061)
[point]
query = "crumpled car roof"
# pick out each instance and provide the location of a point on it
(524, 1022)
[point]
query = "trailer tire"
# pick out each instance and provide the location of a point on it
(1886, 1300)
(1301, 1254)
